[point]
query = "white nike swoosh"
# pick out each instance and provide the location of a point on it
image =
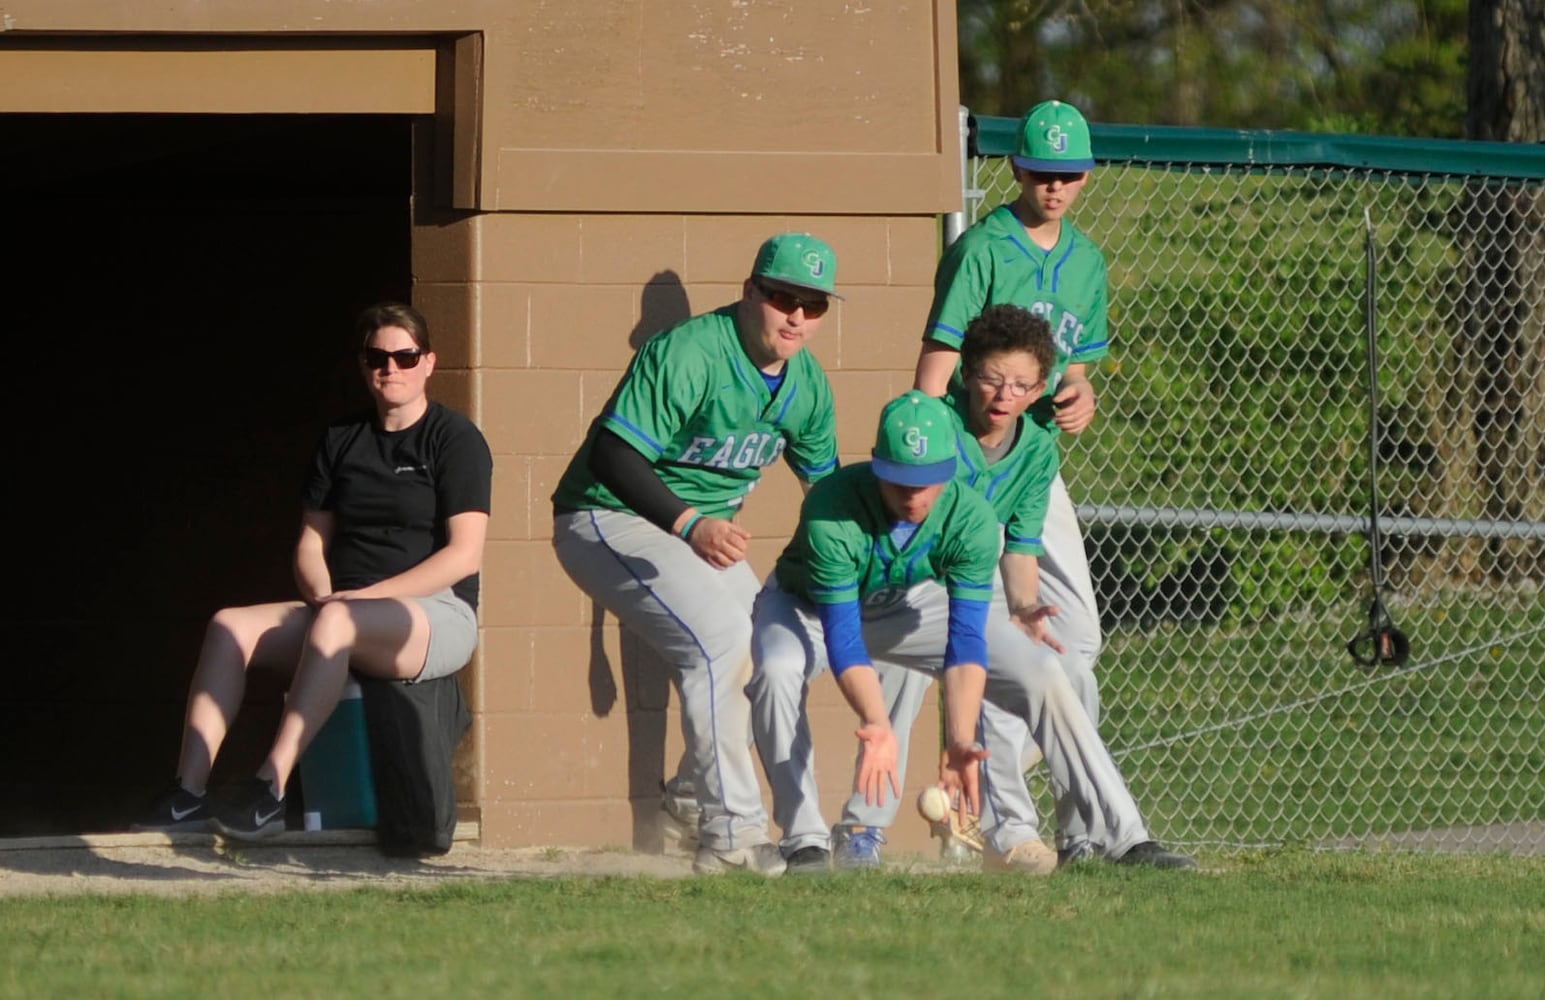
(263, 820)
(178, 815)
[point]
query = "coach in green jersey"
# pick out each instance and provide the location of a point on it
(642, 517)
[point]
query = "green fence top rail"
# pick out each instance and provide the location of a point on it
(1263, 148)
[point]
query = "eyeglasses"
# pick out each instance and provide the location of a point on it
(1019, 390)
(376, 359)
(787, 302)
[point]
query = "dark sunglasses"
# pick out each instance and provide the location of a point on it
(376, 359)
(787, 302)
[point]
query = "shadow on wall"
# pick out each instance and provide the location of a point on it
(646, 680)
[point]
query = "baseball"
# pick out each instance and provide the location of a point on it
(934, 804)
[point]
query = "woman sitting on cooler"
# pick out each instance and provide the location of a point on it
(393, 519)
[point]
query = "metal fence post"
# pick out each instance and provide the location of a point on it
(955, 222)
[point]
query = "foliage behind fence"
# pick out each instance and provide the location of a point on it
(1225, 488)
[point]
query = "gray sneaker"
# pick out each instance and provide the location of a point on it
(762, 859)
(810, 860)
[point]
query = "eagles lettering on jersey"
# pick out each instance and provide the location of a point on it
(693, 404)
(754, 451)
(994, 263)
(1067, 329)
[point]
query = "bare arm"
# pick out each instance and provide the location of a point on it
(960, 771)
(312, 578)
(935, 367)
(860, 685)
(460, 558)
(1074, 399)
(1022, 587)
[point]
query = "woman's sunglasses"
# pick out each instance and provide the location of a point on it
(376, 359)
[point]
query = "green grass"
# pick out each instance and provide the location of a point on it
(1238, 381)
(1290, 924)
(1271, 735)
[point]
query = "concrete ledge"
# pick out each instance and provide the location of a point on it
(466, 832)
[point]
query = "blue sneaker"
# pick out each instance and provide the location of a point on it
(857, 846)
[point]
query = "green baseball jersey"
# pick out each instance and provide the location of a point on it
(694, 404)
(843, 550)
(1018, 485)
(994, 263)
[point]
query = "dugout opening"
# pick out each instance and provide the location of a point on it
(182, 290)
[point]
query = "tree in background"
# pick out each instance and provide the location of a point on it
(1502, 343)
(1394, 68)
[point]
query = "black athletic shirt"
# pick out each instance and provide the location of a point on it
(391, 492)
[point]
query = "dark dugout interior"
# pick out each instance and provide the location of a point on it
(180, 296)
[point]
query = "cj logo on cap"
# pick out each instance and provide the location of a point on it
(814, 264)
(1058, 140)
(916, 441)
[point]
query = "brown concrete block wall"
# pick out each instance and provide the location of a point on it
(831, 727)
(559, 305)
(608, 199)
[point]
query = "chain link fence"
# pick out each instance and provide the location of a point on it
(1227, 485)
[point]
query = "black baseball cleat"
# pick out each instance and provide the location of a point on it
(251, 814)
(810, 861)
(1155, 855)
(175, 810)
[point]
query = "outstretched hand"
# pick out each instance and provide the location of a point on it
(718, 542)
(960, 776)
(877, 762)
(1035, 622)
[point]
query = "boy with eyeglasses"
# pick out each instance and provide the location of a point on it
(1004, 457)
(643, 517)
(1027, 253)
(891, 573)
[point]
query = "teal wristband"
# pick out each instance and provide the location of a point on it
(686, 529)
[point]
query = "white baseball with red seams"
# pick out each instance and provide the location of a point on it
(934, 804)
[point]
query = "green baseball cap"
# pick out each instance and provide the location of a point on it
(798, 259)
(1054, 137)
(915, 445)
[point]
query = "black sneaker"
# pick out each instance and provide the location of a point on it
(1156, 855)
(251, 814)
(175, 810)
(1077, 854)
(809, 861)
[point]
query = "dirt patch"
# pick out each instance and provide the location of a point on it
(188, 870)
(201, 864)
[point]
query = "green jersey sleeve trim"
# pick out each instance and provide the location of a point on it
(636, 436)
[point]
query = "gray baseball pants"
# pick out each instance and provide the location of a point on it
(1010, 815)
(908, 638)
(697, 618)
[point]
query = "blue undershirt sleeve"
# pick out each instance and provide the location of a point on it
(968, 633)
(844, 628)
